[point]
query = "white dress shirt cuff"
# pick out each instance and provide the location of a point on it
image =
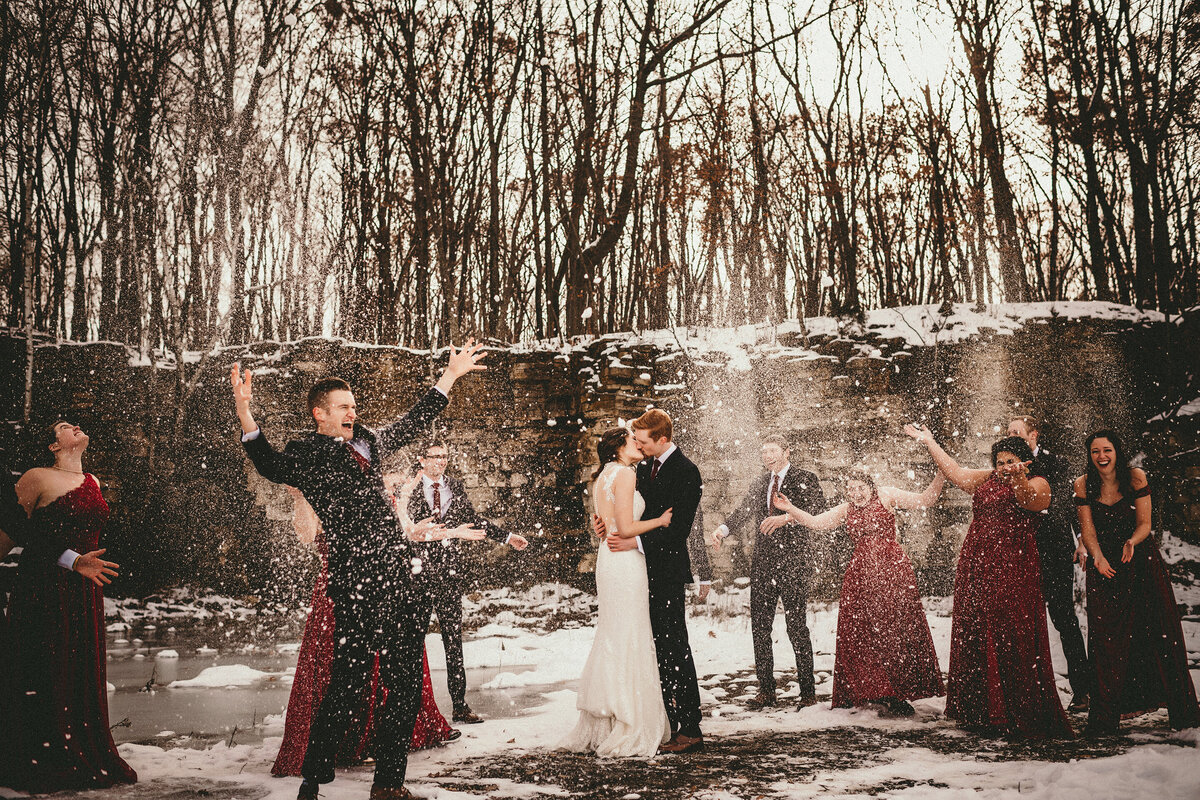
(67, 559)
(638, 539)
(246, 437)
(722, 531)
(442, 392)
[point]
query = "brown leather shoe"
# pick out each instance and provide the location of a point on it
(467, 716)
(1079, 703)
(684, 744)
(760, 701)
(390, 793)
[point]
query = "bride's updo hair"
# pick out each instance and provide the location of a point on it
(607, 448)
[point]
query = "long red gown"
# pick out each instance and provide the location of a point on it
(884, 648)
(1134, 633)
(1000, 671)
(53, 684)
(312, 679)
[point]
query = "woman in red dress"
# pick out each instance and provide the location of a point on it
(53, 684)
(1134, 633)
(884, 650)
(312, 675)
(1001, 677)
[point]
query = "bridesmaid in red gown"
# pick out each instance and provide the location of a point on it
(312, 678)
(1001, 677)
(885, 652)
(1134, 632)
(53, 684)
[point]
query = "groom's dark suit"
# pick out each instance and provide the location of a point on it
(676, 486)
(378, 607)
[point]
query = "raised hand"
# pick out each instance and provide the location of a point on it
(94, 568)
(716, 539)
(466, 360)
(517, 542)
(918, 432)
(783, 504)
(1127, 551)
(242, 391)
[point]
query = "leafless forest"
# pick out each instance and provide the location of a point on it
(182, 174)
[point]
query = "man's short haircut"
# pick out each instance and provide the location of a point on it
(1031, 422)
(777, 439)
(318, 395)
(656, 422)
(436, 441)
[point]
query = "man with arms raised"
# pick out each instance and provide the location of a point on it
(378, 607)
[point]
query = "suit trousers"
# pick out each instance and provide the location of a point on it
(770, 583)
(1058, 588)
(398, 635)
(446, 595)
(676, 668)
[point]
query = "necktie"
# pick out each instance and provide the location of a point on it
(774, 491)
(362, 462)
(437, 500)
(654, 469)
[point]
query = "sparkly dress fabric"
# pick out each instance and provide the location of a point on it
(1000, 671)
(312, 680)
(1134, 631)
(53, 683)
(884, 648)
(621, 711)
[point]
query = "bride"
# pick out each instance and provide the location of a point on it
(621, 712)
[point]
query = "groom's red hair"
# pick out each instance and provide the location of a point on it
(656, 422)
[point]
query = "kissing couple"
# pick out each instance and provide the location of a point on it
(638, 694)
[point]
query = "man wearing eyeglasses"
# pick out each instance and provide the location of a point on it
(444, 498)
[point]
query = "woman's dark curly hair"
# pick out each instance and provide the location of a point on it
(1012, 444)
(607, 448)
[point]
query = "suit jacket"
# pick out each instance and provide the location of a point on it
(368, 553)
(1054, 532)
(677, 486)
(443, 557)
(791, 542)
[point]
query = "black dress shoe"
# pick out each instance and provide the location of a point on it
(466, 715)
(805, 702)
(390, 793)
(1079, 702)
(760, 701)
(308, 791)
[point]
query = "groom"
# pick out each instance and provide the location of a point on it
(667, 479)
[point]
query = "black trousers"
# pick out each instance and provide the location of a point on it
(1058, 589)
(397, 633)
(676, 669)
(772, 580)
(446, 595)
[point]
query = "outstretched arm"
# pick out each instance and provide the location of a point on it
(963, 477)
(824, 521)
(903, 499)
(243, 393)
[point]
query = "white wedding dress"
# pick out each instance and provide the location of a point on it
(621, 712)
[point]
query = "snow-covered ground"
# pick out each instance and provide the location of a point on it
(536, 642)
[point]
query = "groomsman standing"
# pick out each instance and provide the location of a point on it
(444, 498)
(1057, 550)
(781, 567)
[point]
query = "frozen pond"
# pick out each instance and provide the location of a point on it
(143, 708)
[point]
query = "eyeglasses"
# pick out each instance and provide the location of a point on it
(437, 458)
